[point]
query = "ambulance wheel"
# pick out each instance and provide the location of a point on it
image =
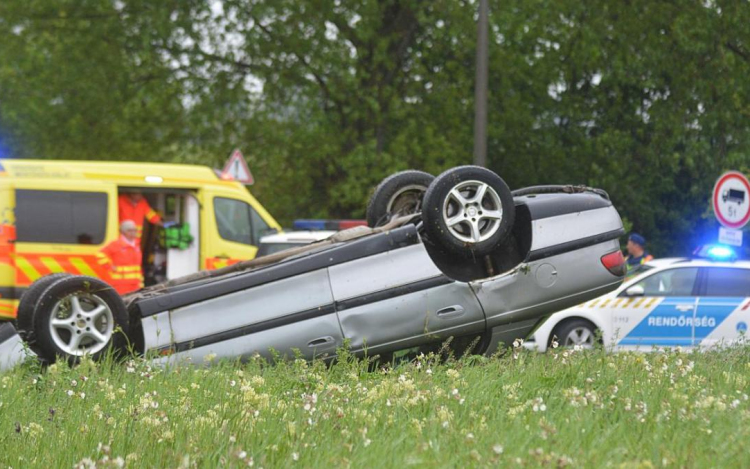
(575, 332)
(25, 317)
(468, 210)
(398, 194)
(78, 316)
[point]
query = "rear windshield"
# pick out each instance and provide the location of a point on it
(61, 217)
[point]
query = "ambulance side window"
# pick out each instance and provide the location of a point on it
(673, 282)
(727, 282)
(60, 217)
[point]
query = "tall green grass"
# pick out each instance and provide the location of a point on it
(564, 408)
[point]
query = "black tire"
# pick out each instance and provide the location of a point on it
(91, 293)
(490, 232)
(562, 332)
(398, 194)
(25, 317)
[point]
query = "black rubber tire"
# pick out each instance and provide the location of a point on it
(432, 210)
(48, 350)
(378, 211)
(25, 317)
(561, 331)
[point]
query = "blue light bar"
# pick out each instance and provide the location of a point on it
(715, 252)
(720, 253)
(309, 224)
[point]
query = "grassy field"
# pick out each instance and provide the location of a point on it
(564, 408)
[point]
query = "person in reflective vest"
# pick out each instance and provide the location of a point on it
(132, 206)
(637, 254)
(123, 259)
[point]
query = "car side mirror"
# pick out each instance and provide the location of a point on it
(635, 290)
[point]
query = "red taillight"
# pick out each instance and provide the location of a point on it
(615, 263)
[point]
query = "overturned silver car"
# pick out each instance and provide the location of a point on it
(455, 256)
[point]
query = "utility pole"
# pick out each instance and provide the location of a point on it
(480, 87)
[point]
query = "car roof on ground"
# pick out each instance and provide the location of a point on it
(297, 236)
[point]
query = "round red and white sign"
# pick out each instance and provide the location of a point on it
(731, 200)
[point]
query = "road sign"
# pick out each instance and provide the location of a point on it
(731, 200)
(730, 237)
(237, 168)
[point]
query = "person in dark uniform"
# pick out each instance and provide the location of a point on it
(637, 254)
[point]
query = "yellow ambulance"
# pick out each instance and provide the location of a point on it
(55, 216)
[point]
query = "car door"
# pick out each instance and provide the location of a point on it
(723, 311)
(663, 311)
(264, 312)
(231, 235)
(399, 299)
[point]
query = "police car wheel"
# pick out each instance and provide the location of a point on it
(77, 316)
(25, 317)
(398, 194)
(575, 332)
(468, 210)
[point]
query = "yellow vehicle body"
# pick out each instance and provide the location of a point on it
(55, 216)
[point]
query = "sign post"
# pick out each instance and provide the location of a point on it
(731, 203)
(236, 167)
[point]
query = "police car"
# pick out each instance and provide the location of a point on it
(271, 244)
(673, 302)
(306, 232)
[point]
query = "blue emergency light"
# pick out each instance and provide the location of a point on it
(716, 252)
(721, 253)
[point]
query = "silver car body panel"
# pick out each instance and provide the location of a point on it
(12, 349)
(259, 309)
(381, 272)
(550, 284)
(413, 319)
(569, 227)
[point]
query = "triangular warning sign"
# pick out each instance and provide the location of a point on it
(237, 168)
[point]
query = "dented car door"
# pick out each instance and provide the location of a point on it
(400, 299)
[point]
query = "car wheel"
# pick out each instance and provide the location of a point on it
(575, 332)
(25, 317)
(398, 194)
(77, 316)
(468, 210)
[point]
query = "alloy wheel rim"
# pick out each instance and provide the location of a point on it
(472, 211)
(81, 323)
(580, 336)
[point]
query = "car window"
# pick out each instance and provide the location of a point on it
(61, 217)
(727, 282)
(673, 282)
(239, 222)
(233, 220)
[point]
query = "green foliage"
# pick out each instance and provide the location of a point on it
(648, 100)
